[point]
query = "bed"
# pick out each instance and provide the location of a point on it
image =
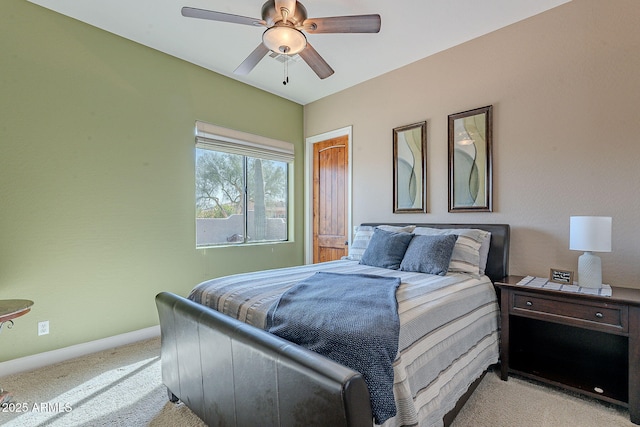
(219, 359)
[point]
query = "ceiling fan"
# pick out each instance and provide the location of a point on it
(285, 21)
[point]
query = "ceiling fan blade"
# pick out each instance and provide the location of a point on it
(316, 62)
(343, 24)
(252, 60)
(191, 12)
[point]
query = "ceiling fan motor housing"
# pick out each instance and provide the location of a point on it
(272, 14)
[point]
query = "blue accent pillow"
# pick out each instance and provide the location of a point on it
(386, 249)
(429, 254)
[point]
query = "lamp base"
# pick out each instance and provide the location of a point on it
(589, 271)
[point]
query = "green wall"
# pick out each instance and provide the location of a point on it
(97, 177)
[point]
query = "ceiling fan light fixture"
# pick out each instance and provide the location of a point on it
(285, 40)
(285, 21)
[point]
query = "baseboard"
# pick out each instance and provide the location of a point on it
(29, 363)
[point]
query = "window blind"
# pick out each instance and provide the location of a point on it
(231, 141)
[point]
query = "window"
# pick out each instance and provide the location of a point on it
(242, 187)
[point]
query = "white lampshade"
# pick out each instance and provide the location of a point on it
(590, 233)
(283, 39)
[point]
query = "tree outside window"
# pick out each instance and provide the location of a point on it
(239, 199)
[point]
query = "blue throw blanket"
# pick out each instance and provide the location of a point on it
(351, 319)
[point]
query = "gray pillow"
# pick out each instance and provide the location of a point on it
(386, 249)
(467, 256)
(429, 254)
(363, 236)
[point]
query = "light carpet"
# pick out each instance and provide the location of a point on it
(122, 387)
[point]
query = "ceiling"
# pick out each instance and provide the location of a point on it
(411, 30)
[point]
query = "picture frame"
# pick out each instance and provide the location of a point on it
(471, 160)
(564, 277)
(410, 168)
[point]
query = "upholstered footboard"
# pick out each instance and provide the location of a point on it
(231, 373)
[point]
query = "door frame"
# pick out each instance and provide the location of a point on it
(308, 186)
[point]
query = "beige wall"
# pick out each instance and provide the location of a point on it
(565, 86)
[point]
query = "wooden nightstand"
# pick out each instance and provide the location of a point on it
(584, 343)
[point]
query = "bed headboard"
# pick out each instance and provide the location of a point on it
(498, 260)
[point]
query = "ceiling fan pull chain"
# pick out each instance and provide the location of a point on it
(285, 78)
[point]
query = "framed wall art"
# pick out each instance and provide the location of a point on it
(410, 168)
(470, 170)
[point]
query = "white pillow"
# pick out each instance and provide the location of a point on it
(471, 250)
(363, 236)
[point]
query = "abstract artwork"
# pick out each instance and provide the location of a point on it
(470, 171)
(409, 168)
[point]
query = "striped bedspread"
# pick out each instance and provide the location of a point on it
(448, 328)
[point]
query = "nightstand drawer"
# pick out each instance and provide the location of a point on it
(580, 313)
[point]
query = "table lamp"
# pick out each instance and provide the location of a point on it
(590, 234)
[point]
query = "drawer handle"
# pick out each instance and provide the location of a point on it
(529, 303)
(599, 315)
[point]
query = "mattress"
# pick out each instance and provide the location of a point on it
(448, 328)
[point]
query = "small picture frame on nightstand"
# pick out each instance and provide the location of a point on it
(564, 277)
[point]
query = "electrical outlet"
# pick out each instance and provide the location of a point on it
(43, 327)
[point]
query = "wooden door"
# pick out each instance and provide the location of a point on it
(330, 169)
